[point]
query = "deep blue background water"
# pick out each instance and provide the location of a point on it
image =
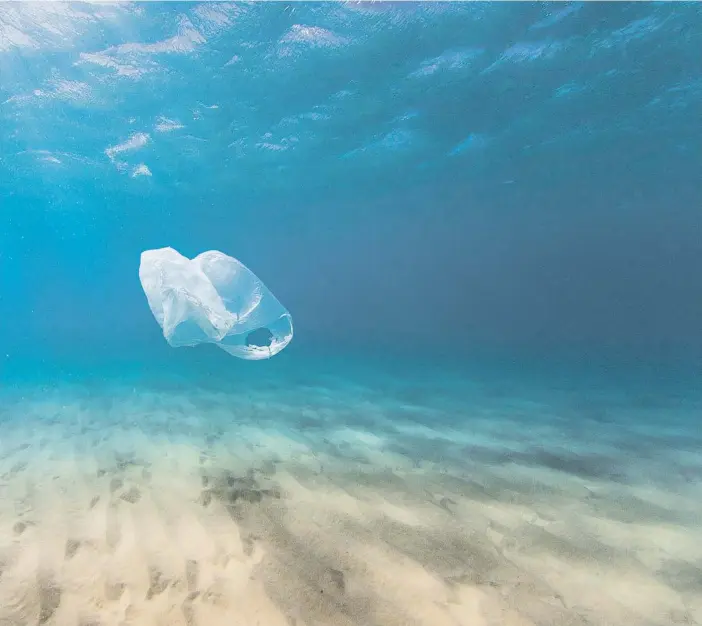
(473, 180)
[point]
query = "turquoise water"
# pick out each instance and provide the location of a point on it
(483, 219)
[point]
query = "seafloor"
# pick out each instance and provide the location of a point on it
(349, 492)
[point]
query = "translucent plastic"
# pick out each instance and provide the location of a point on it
(213, 298)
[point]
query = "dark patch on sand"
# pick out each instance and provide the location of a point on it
(158, 583)
(683, 576)
(72, 546)
(231, 490)
(580, 465)
(132, 495)
(192, 574)
(49, 597)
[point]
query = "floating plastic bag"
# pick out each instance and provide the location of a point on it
(213, 298)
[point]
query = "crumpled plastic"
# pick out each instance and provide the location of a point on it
(213, 298)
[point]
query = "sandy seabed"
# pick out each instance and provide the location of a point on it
(142, 507)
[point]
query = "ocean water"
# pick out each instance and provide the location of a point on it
(484, 220)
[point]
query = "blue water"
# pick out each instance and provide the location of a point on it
(484, 220)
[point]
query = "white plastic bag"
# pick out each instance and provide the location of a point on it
(213, 298)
